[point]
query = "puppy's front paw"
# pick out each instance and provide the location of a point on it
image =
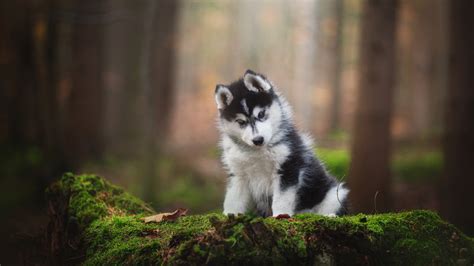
(232, 213)
(331, 215)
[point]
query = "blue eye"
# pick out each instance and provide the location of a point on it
(261, 115)
(241, 122)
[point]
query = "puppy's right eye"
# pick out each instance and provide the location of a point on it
(241, 122)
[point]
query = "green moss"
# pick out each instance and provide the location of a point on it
(91, 198)
(118, 239)
(400, 238)
(113, 233)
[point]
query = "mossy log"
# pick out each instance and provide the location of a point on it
(96, 223)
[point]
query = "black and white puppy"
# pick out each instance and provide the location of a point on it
(272, 167)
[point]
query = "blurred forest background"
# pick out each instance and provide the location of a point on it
(125, 89)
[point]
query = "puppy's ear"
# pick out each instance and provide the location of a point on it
(256, 82)
(223, 97)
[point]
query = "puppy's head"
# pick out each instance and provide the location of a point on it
(248, 109)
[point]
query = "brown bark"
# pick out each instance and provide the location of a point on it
(337, 67)
(457, 181)
(117, 51)
(45, 57)
(17, 85)
(123, 56)
(159, 57)
(422, 57)
(163, 64)
(369, 177)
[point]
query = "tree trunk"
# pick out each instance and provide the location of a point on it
(120, 55)
(84, 108)
(337, 68)
(159, 51)
(17, 85)
(458, 181)
(369, 177)
(422, 64)
(163, 61)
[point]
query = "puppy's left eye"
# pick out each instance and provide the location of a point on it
(241, 122)
(261, 115)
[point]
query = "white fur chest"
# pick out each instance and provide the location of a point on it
(257, 168)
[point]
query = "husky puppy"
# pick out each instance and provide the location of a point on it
(271, 166)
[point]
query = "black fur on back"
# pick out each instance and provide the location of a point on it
(316, 180)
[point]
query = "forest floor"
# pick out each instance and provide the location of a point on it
(30, 220)
(205, 177)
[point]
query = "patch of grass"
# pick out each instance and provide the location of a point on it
(406, 165)
(19, 160)
(184, 191)
(19, 169)
(337, 161)
(417, 166)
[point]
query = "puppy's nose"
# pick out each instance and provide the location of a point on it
(258, 141)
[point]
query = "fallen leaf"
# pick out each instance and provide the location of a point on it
(165, 216)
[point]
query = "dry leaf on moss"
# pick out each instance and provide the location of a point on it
(166, 216)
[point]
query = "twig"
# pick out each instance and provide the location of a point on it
(375, 201)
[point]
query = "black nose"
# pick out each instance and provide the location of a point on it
(258, 141)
